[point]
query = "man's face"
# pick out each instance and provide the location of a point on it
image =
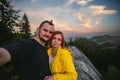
(45, 32)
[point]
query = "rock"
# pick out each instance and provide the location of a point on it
(84, 68)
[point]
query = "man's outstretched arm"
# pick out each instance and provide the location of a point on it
(4, 56)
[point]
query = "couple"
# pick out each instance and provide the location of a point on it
(35, 62)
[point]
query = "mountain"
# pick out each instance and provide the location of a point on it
(107, 41)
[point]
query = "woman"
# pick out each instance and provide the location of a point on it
(60, 59)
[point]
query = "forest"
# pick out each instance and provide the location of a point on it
(14, 27)
(105, 56)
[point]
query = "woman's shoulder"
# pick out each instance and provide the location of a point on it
(65, 51)
(66, 54)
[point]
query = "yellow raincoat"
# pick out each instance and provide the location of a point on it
(62, 67)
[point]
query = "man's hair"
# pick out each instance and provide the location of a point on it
(46, 21)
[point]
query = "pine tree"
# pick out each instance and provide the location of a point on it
(70, 39)
(8, 18)
(25, 29)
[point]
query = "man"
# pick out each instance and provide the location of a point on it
(30, 56)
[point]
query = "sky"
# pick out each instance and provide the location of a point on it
(75, 18)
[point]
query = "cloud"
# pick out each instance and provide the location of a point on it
(84, 22)
(64, 27)
(101, 11)
(80, 2)
(34, 1)
(88, 19)
(72, 22)
(91, 16)
(69, 2)
(33, 28)
(83, 2)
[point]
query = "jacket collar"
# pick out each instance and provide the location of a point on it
(58, 51)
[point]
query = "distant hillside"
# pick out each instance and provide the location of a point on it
(107, 40)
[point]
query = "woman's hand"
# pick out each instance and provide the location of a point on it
(49, 77)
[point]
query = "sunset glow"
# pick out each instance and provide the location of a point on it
(73, 17)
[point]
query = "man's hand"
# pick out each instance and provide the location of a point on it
(4, 56)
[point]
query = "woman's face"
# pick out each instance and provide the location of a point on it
(56, 41)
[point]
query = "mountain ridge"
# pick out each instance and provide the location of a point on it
(106, 40)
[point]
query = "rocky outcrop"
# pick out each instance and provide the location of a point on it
(84, 68)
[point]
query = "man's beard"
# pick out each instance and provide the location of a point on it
(42, 39)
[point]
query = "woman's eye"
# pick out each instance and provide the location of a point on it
(59, 39)
(54, 37)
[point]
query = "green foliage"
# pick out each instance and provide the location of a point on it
(8, 71)
(70, 40)
(101, 56)
(9, 21)
(25, 28)
(106, 44)
(8, 18)
(112, 73)
(85, 45)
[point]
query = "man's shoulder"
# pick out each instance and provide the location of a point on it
(18, 44)
(25, 41)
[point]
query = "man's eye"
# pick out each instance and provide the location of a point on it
(51, 32)
(45, 30)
